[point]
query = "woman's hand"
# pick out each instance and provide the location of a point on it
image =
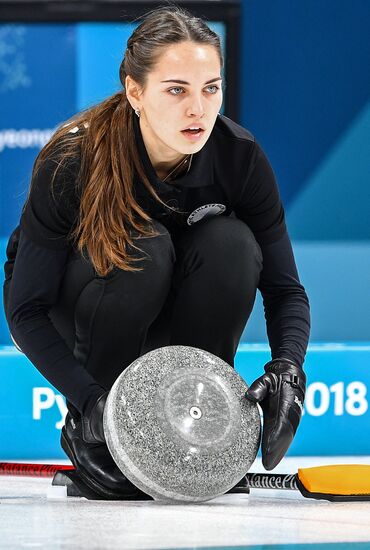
(280, 393)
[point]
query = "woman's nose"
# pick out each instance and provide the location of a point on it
(196, 107)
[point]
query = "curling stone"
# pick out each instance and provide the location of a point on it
(178, 426)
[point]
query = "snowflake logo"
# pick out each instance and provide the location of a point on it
(13, 70)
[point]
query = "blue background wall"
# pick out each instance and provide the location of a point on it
(305, 94)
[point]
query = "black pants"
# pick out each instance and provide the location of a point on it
(196, 289)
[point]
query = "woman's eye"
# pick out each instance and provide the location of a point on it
(171, 90)
(213, 86)
(179, 88)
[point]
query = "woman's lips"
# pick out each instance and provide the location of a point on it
(191, 136)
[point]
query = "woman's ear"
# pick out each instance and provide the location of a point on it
(132, 90)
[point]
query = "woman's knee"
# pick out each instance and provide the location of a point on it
(226, 238)
(154, 256)
(137, 293)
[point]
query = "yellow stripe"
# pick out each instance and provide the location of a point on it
(338, 479)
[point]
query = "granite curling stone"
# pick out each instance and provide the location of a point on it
(178, 426)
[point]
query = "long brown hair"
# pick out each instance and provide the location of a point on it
(108, 211)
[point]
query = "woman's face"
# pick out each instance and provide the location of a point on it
(166, 108)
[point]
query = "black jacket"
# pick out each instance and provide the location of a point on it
(230, 175)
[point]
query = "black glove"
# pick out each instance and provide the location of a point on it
(92, 421)
(280, 392)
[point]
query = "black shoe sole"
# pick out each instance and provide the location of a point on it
(91, 482)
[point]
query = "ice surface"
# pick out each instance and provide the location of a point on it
(29, 519)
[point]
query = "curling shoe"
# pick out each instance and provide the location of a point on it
(95, 465)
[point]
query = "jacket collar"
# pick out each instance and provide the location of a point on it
(200, 173)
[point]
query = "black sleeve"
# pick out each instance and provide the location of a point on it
(33, 274)
(33, 289)
(51, 210)
(285, 301)
(259, 203)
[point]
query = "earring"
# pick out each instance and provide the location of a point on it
(137, 112)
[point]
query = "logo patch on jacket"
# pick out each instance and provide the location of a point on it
(205, 211)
